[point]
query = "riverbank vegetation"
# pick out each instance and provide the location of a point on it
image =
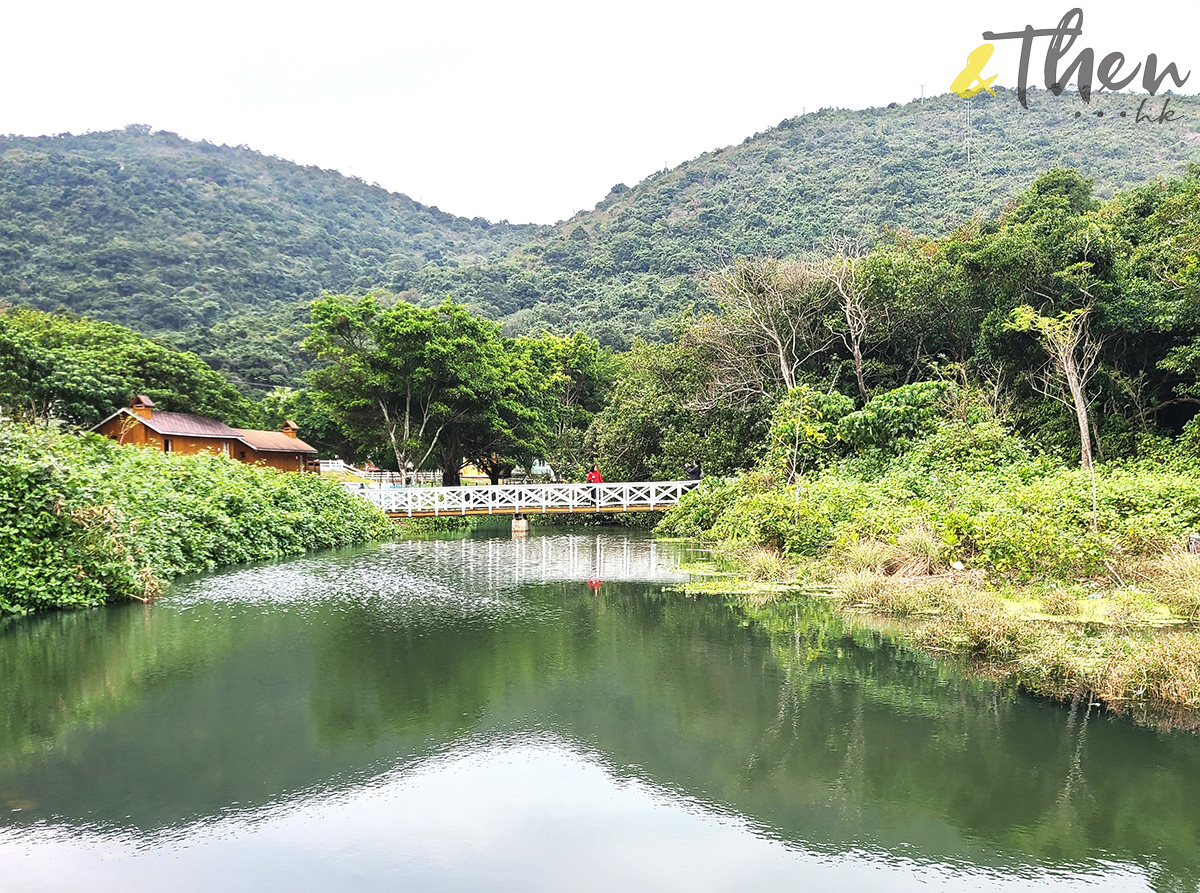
(989, 432)
(990, 551)
(84, 521)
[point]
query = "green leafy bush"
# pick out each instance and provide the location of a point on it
(892, 420)
(974, 493)
(84, 521)
(804, 431)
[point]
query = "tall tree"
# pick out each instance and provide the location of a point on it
(771, 323)
(80, 370)
(575, 375)
(1073, 354)
(402, 376)
(850, 277)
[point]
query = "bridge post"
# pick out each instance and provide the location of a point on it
(520, 524)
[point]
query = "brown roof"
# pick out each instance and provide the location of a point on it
(272, 441)
(182, 424)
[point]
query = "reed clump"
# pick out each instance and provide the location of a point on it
(977, 623)
(1160, 668)
(1061, 602)
(871, 555)
(763, 563)
(1175, 579)
(918, 552)
(861, 587)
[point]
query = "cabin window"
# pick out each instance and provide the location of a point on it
(242, 455)
(166, 444)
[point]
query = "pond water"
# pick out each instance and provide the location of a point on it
(483, 713)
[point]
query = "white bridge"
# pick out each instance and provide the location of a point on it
(516, 499)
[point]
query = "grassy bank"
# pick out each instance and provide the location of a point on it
(84, 521)
(1019, 565)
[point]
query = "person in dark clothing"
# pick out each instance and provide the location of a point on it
(694, 471)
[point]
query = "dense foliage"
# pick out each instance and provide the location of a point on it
(975, 493)
(167, 235)
(80, 371)
(986, 304)
(628, 266)
(221, 247)
(439, 387)
(84, 521)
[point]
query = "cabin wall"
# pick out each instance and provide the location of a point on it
(127, 430)
(278, 461)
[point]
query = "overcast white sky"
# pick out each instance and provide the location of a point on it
(525, 111)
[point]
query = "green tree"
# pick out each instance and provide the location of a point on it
(416, 381)
(81, 370)
(1073, 353)
(575, 374)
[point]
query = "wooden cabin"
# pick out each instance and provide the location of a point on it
(180, 432)
(282, 449)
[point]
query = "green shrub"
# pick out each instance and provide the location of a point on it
(804, 431)
(84, 521)
(700, 508)
(970, 492)
(892, 420)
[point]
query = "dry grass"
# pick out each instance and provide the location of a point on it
(860, 587)
(1182, 602)
(1061, 602)
(918, 552)
(1162, 668)
(1112, 648)
(902, 601)
(977, 623)
(1175, 578)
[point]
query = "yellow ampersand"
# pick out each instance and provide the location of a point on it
(964, 84)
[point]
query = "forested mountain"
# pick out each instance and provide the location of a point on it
(628, 265)
(171, 236)
(218, 249)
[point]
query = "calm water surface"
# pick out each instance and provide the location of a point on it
(481, 713)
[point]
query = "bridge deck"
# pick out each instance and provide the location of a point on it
(510, 499)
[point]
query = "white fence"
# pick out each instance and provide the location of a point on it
(331, 466)
(508, 499)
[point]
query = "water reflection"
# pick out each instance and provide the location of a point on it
(623, 727)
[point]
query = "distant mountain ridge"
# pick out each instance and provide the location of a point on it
(217, 248)
(160, 232)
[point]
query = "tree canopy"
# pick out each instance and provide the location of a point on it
(80, 371)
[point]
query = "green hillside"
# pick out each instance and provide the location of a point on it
(218, 249)
(170, 236)
(627, 265)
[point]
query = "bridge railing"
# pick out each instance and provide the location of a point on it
(527, 498)
(337, 466)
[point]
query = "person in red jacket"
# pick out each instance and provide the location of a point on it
(594, 477)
